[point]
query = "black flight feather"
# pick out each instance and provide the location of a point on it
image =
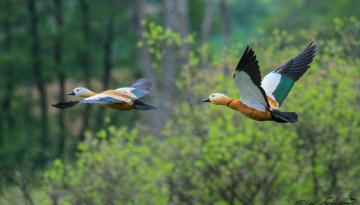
(140, 105)
(298, 65)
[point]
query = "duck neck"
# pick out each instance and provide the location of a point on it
(225, 100)
(229, 102)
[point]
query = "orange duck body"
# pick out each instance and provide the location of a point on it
(250, 112)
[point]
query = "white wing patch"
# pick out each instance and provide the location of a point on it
(125, 89)
(270, 83)
(250, 94)
(102, 99)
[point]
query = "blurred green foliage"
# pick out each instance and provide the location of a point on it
(117, 167)
(209, 154)
(213, 155)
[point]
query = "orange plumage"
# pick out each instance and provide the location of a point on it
(250, 112)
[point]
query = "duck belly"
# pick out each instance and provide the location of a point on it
(257, 115)
(120, 106)
(250, 112)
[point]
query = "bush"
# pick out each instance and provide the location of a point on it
(212, 155)
(116, 167)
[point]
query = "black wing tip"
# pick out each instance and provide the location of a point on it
(311, 49)
(310, 52)
(250, 52)
(312, 43)
(298, 65)
(248, 55)
(244, 55)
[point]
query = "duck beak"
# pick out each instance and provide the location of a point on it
(206, 99)
(70, 93)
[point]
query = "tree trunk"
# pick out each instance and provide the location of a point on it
(206, 28)
(144, 55)
(37, 72)
(58, 53)
(207, 20)
(176, 18)
(183, 12)
(84, 61)
(85, 27)
(333, 170)
(313, 157)
(108, 62)
(169, 64)
(224, 10)
(7, 120)
(144, 59)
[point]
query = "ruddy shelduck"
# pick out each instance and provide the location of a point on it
(260, 100)
(126, 98)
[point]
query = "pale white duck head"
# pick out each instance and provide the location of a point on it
(217, 99)
(81, 92)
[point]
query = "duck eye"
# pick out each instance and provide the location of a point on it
(212, 95)
(78, 90)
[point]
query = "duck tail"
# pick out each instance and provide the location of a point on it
(139, 105)
(283, 117)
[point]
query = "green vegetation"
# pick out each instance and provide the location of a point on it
(185, 152)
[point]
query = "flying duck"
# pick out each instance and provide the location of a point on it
(261, 100)
(125, 98)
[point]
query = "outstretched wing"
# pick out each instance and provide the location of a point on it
(143, 84)
(139, 88)
(248, 78)
(279, 82)
(103, 99)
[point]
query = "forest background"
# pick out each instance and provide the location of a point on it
(185, 152)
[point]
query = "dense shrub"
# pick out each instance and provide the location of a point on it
(211, 155)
